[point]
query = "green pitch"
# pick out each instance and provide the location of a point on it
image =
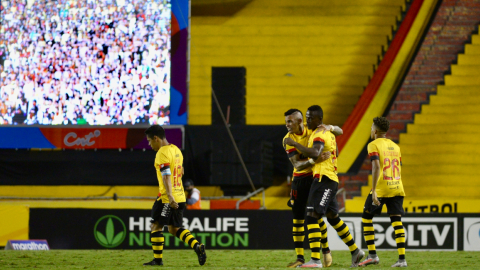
(218, 259)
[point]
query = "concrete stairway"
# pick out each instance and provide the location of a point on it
(439, 150)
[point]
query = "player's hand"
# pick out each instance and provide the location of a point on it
(172, 202)
(289, 141)
(375, 199)
(324, 156)
(325, 128)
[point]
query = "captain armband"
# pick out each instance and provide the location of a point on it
(166, 172)
(165, 169)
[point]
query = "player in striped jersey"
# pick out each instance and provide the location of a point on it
(170, 204)
(322, 197)
(302, 181)
(387, 188)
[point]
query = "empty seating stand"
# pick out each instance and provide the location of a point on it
(297, 53)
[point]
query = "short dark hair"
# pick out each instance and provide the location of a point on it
(316, 108)
(155, 130)
(381, 123)
(187, 183)
(292, 111)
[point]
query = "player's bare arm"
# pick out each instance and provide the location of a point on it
(168, 186)
(336, 130)
(313, 152)
(375, 176)
(303, 164)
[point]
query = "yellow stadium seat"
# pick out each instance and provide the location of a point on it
(296, 53)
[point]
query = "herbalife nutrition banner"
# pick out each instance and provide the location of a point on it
(130, 229)
(247, 229)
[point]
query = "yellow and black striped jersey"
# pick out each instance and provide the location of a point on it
(329, 166)
(302, 139)
(388, 153)
(170, 158)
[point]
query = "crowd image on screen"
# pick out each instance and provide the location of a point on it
(96, 62)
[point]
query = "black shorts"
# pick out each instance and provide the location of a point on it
(299, 195)
(394, 205)
(323, 196)
(166, 215)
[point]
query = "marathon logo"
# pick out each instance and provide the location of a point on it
(27, 245)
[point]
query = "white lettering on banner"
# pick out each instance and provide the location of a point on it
(207, 227)
(196, 224)
(219, 224)
(241, 224)
(30, 246)
(228, 222)
(410, 239)
(471, 234)
(147, 223)
(424, 229)
(440, 238)
(379, 236)
(80, 141)
(132, 223)
(428, 233)
(390, 237)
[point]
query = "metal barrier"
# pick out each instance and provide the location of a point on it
(344, 192)
(249, 195)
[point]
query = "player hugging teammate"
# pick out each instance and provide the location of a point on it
(321, 153)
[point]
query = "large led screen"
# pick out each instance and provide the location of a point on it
(78, 62)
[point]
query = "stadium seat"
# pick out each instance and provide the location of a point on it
(296, 53)
(440, 152)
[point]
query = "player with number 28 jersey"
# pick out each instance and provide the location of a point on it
(387, 189)
(390, 157)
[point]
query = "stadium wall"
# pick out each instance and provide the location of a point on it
(126, 165)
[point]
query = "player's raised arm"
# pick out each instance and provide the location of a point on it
(336, 130)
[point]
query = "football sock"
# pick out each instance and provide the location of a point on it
(157, 240)
(314, 236)
(324, 241)
(369, 234)
(399, 235)
(298, 237)
(343, 232)
(187, 237)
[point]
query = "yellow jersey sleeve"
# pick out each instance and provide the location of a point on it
(388, 154)
(169, 162)
(328, 167)
(373, 151)
(291, 151)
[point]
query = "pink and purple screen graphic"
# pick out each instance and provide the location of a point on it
(90, 62)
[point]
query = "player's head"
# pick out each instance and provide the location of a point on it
(380, 127)
(188, 185)
(155, 136)
(314, 116)
(293, 120)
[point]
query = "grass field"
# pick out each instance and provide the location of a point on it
(218, 259)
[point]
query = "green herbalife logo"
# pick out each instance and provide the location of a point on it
(110, 231)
